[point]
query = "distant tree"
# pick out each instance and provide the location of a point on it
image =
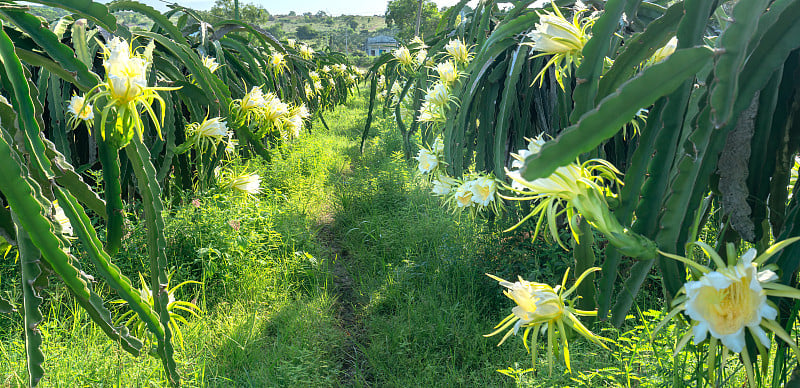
(292, 13)
(249, 13)
(321, 14)
(306, 32)
(403, 14)
(353, 24)
(276, 30)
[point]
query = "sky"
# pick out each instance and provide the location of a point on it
(282, 7)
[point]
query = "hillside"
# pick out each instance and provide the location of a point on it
(345, 33)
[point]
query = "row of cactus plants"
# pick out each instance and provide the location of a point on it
(642, 121)
(145, 107)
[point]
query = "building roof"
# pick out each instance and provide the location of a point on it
(381, 39)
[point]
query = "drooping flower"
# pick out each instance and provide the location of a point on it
(310, 92)
(80, 110)
(306, 52)
(733, 298)
(403, 56)
(210, 63)
(431, 113)
(291, 42)
(463, 195)
(438, 146)
(539, 304)
(458, 51)
(442, 185)
(303, 112)
(253, 99)
(294, 125)
(273, 109)
(564, 40)
(421, 55)
(277, 62)
(448, 73)
(438, 95)
(428, 161)
(246, 183)
(483, 190)
(210, 131)
(231, 144)
(417, 42)
(581, 189)
(124, 92)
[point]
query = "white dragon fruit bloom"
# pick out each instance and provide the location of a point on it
(427, 161)
(253, 99)
(274, 108)
(463, 195)
(483, 190)
(438, 95)
(442, 185)
(215, 128)
(438, 145)
(80, 109)
(727, 301)
(210, 63)
(447, 72)
(247, 183)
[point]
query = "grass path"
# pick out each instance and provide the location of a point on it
(345, 271)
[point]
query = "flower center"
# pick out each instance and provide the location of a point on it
(731, 308)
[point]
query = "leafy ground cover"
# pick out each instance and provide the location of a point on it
(344, 271)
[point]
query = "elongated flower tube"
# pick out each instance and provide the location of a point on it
(124, 92)
(418, 43)
(725, 302)
(577, 188)
(564, 40)
(539, 304)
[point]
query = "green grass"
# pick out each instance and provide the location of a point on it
(345, 271)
